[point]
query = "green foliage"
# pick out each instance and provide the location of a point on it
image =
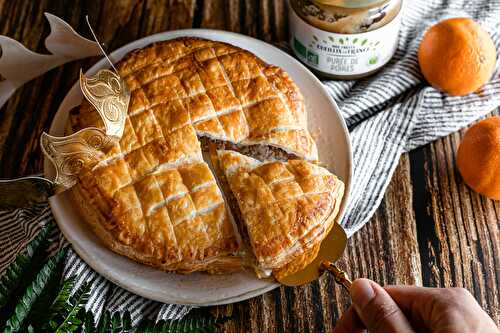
(16, 272)
(193, 324)
(63, 314)
(88, 321)
(68, 310)
(32, 299)
(39, 313)
(108, 323)
(18, 319)
(12, 278)
(122, 324)
(60, 303)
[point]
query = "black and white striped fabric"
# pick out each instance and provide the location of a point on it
(388, 114)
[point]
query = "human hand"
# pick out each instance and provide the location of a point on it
(406, 309)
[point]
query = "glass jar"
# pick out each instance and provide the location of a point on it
(344, 39)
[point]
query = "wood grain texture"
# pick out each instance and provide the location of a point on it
(458, 228)
(430, 229)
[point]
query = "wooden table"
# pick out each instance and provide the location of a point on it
(430, 229)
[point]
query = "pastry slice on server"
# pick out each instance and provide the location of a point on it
(286, 208)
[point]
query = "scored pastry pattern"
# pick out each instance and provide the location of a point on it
(181, 89)
(285, 205)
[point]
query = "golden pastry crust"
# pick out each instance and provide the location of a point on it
(152, 197)
(224, 92)
(152, 253)
(288, 207)
(171, 218)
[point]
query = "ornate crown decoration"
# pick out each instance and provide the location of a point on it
(64, 45)
(110, 96)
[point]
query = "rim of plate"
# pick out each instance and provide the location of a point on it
(61, 118)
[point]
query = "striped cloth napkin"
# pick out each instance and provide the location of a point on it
(387, 114)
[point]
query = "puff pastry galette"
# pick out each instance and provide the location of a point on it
(154, 198)
(287, 208)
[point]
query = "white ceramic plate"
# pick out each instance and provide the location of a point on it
(325, 123)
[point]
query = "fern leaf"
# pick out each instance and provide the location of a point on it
(196, 324)
(116, 323)
(145, 326)
(60, 303)
(15, 272)
(41, 309)
(119, 323)
(126, 322)
(71, 309)
(103, 324)
(11, 278)
(88, 321)
(63, 296)
(39, 239)
(34, 290)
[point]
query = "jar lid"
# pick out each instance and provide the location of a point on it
(350, 3)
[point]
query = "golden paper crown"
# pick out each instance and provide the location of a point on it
(110, 96)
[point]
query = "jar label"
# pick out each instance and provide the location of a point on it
(343, 54)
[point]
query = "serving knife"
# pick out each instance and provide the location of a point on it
(330, 251)
(24, 192)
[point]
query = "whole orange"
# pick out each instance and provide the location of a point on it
(478, 158)
(457, 56)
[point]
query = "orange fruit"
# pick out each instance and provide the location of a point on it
(457, 56)
(478, 157)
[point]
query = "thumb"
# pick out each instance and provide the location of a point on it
(378, 312)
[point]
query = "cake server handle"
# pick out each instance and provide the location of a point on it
(339, 275)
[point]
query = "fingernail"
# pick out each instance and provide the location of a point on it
(362, 293)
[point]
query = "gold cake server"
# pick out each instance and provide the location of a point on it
(330, 250)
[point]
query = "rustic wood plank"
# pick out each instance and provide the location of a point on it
(217, 14)
(458, 228)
